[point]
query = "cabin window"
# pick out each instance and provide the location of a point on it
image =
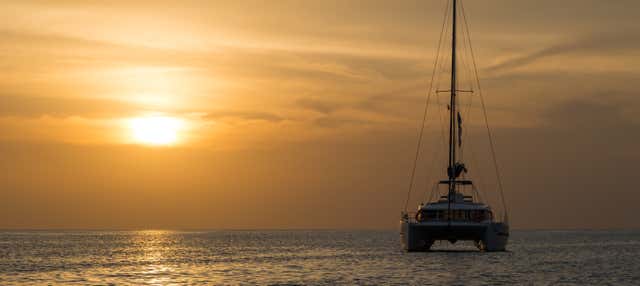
(475, 215)
(459, 215)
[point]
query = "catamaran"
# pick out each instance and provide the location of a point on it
(457, 213)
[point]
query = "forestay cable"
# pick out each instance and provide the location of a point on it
(486, 120)
(426, 110)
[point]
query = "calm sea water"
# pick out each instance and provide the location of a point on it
(313, 258)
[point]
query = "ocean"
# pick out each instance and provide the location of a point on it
(311, 258)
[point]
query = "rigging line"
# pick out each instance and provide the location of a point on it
(466, 33)
(465, 56)
(486, 119)
(440, 157)
(434, 152)
(424, 117)
(432, 168)
(465, 71)
(478, 179)
(447, 69)
(441, 67)
(441, 113)
(466, 113)
(468, 143)
(432, 165)
(433, 189)
(478, 193)
(419, 144)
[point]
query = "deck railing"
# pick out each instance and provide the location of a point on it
(410, 217)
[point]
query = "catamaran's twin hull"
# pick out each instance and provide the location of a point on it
(417, 236)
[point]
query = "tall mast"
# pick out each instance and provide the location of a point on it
(452, 126)
(452, 105)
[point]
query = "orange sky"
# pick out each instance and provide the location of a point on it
(304, 114)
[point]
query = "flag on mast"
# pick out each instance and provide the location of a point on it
(459, 130)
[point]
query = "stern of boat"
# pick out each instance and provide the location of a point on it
(495, 238)
(412, 240)
(420, 236)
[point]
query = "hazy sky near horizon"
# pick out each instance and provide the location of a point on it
(304, 114)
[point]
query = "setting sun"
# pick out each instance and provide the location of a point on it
(155, 130)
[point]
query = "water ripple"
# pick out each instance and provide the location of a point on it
(311, 258)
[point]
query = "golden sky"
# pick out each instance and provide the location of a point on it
(304, 114)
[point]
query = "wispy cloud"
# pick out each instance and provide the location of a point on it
(593, 44)
(36, 106)
(243, 115)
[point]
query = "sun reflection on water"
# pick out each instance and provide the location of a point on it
(153, 251)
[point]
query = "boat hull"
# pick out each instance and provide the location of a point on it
(419, 236)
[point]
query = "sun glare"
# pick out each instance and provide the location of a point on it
(156, 130)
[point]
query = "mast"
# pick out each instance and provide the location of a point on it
(452, 107)
(452, 126)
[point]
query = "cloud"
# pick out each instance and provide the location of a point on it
(384, 101)
(321, 106)
(595, 44)
(36, 106)
(338, 121)
(243, 115)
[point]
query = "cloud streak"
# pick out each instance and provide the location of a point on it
(592, 44)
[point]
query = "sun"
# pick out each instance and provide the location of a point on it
(156, 130)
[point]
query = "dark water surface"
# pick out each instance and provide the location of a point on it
(313, 258)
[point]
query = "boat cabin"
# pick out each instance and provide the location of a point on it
(462, 209)
(456, 214)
